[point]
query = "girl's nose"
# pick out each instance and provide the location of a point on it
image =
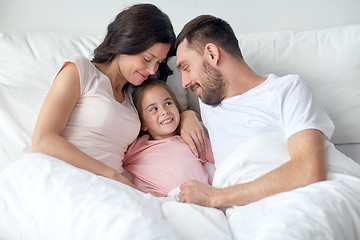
(164, 111)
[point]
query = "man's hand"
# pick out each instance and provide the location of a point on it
(198, 193)
(193, 133)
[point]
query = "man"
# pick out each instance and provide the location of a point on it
(237, 104)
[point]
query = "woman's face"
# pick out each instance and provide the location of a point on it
(160, 116)
(137, 68)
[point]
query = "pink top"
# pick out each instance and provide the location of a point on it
(99, 125)
(162, 165)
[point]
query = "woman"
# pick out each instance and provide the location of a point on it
(88, 118)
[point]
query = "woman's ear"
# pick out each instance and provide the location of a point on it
(212, 53)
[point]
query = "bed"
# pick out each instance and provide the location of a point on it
(44, 198)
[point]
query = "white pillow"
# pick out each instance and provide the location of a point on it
(31, 60)
(19, 108)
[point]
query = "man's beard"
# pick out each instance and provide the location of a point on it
(213, 85)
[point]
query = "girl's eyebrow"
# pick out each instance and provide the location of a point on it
(150, 105)
(154, 104)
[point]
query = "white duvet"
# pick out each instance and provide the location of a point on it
(324, 210)
(44, 198)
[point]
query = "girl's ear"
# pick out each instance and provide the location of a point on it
(143, 127)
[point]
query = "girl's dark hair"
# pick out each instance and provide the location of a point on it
(135, 30)
(209, 29)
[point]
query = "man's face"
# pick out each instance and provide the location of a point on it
(197, 74)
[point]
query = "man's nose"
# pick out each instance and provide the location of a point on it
(185, 81)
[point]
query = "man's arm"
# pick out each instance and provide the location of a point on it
(307, 166)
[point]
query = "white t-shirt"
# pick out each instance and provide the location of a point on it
(99, 125)
(279, 104)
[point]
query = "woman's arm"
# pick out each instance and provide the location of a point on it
(52, 119)
(193, 133)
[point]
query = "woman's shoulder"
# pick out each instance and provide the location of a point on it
(80, 61)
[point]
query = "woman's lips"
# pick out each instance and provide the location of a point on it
(143, 77)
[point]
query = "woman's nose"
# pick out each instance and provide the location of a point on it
(152, 68)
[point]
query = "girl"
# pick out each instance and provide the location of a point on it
(160, 160)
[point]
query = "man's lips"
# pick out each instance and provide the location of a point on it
(196, 89)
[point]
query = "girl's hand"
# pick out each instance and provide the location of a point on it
(193, 133)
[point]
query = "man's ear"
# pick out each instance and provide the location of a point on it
(212, 53)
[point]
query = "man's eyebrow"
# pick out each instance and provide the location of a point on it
(179, 65)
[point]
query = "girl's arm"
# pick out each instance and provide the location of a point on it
(193, 133)
(52, 119)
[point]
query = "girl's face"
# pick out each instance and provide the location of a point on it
(137, 68)
(160, 116)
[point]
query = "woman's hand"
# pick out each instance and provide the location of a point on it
(193, 133)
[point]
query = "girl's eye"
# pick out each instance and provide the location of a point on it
(153, 109)
(146, 60)
(186, 68)
(168, 103)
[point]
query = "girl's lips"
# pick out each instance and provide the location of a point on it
(167, 121)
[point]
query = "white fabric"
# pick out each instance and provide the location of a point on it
(19, 108)
(324, 210)
(281, 104)
(42, 197)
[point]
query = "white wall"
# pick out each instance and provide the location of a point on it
(246, 16)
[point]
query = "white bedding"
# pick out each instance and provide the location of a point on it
(324, 210)
(44, 198)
